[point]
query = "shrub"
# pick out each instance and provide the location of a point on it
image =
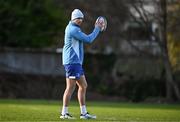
(31, 23)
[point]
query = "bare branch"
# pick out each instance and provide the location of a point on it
(142, 52)
(135, 19)
(145, 13)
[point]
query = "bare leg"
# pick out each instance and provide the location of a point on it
(70, 86)
(82, 84)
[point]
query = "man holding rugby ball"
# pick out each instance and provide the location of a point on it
(72, 56)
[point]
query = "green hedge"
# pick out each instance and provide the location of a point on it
(31, 23)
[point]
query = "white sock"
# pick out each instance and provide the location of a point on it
(83, 109)
(64, 110)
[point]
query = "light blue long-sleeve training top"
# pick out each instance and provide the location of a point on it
(73, 50)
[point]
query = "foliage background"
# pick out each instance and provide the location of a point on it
(31, 23)
(41, 24)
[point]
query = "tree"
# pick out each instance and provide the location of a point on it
(174, 35)
(160, 17)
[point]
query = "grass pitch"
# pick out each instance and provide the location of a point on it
(44, 110)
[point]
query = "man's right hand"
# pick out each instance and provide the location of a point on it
(101, 23)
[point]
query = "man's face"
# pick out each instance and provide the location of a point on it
(79, 21)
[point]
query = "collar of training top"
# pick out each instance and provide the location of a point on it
(73, 23)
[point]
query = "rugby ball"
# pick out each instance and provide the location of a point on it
(103, 21)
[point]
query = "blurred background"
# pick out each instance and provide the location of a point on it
(136, 59)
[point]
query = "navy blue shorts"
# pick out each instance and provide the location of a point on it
(73, 71)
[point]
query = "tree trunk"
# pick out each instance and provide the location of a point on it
(170, 84)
